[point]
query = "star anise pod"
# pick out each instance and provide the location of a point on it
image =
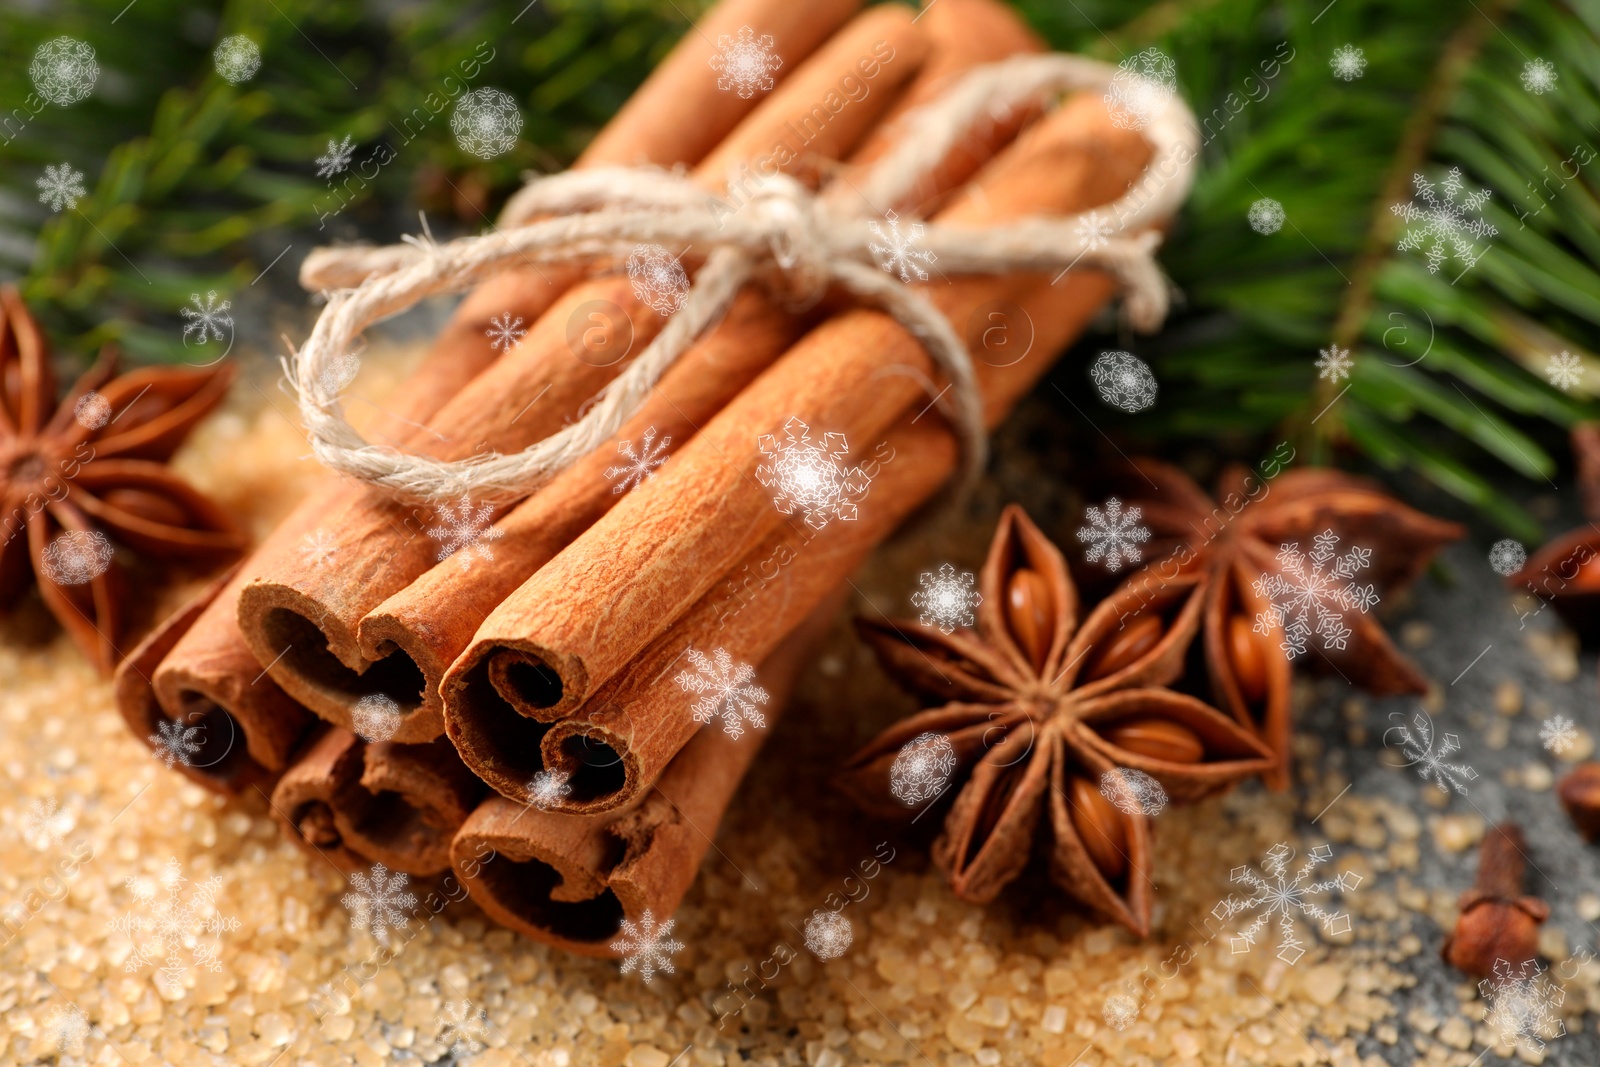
(1236, 543)
(1045, 713)
(1565, 571)
(77, 473)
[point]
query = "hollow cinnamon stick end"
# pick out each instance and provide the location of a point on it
(303, 799)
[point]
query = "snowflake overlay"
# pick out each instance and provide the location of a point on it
(658, 279)
(1444, 221)
(746, 62)
(1418, 748)
(174, 742)
(376, 903)
(646, 946)
(727, 689)
(1507, 557)
(44, 825)
(92, 411)
(206, 319)
(1120, 1011)
(504, 332)
(170, 929)
(318, 549)
(946, 598)
(1523, 1003)
(64, 71)
(1266, 216)
(337, 159)
(1334, 364)
(828, 934)
(237, 58)
(1133, 792)
(1113, 535)
(1142, 86)
(922, 768)
(1348, 62)
(810, 478)
(1538, 76)
(375, 717)
(486, 123)
(463, 531)
(1558, 734)
(463, 1031)
(60, 187)
(1564, 370)
(641, 465)
(1284, 897)
(896, 252)
(1124, 380)
(547, 789)
(339, 373)
(69, 1026)
(1297, 592)
(1094, 230)
(77, 557)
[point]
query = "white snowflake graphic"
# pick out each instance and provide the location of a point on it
(69, 1026)
(946, 598)
(464, 532)
(44, 825)
(657, 278)
(1558, 734)
(1094, 230)
(237, 58)
(1539, 76)
(727, 689)
(1523, 1003)
(76, 557)
(64, 71)
(1119, 1011)
(896, 252)
(486, 123)
(1266, 216)
(828, 934)
(375, 717)
(206, 318)
(1507, 557)
(174, 742)
(1133, 792)
(339, 373)
(641, 465)
(1299, 593)
(1142, 86)
(171, 928)
(1348, 62)
(646, 947)
(922, 768)
(463, 1030)
(810, 478)
(1444, 225)
(379, 902)
(547, 789)
(60, 187)
(1564, 370)
(1285, 897)
(1124, 381)
(746, 62)
(318, 549)
(1334, 364)
(92, 411)
(1432, 765)
(336, 160)
(1113, 535)
(504, 332)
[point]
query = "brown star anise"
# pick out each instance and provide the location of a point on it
(1565, 571)
(1045, 713)
(91, 465)
(1232, 543)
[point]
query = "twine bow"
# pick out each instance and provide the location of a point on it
(789, 239)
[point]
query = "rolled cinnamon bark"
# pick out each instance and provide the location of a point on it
(357, 804)
(303, 621)
(433, 619)
(208, 673)
(592, 611)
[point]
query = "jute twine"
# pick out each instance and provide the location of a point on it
(787, 238)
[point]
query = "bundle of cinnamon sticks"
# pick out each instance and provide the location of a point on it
(530, 697)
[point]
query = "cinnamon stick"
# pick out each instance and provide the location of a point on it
(208, 672)
(529, 393)
(433, 619)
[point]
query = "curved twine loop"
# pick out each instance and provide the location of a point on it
(785, 235)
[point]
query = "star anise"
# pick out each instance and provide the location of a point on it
(93, 465)
(1234, 544)
(1565, 571)
(1045, 713)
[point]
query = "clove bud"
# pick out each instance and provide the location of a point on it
(1497, 921)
